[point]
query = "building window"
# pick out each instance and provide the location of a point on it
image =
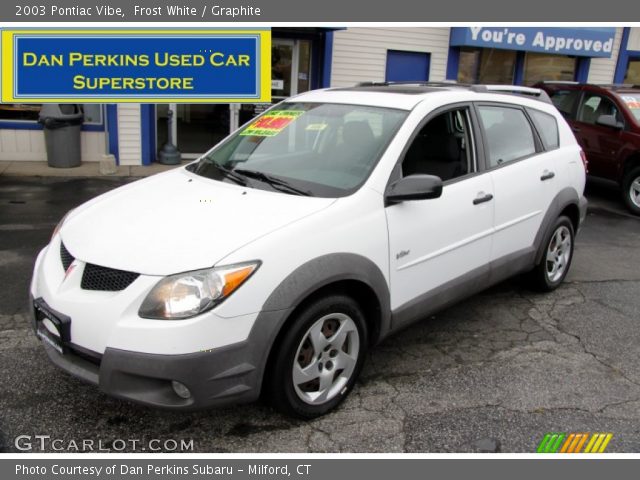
(92, 113)
(633, 72)
(541, 66)
(20, 112)
(486, 65)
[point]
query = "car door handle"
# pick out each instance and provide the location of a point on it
(481, 198)
(547, 175)
(575, 129)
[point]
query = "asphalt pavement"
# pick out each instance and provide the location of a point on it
(494, 373)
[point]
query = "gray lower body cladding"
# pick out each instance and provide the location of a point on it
(234, 374)
(221, 376)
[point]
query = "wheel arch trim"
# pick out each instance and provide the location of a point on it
(567, 197)
(303, 282)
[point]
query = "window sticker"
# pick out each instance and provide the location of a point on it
(272, 123)
(632, 102)
(316, 127)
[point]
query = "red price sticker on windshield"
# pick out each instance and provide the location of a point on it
(272, 123)
(632, 102)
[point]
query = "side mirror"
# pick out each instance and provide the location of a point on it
(414, 187)
(609, 121)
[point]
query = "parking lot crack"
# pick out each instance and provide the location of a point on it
(596, 357)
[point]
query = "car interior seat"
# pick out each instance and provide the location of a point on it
(436, 151)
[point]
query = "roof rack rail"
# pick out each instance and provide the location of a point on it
(560, 82)
(536, 93)
(612, 86)
(443, 83)
(615, 86)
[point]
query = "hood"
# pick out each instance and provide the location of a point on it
(177, 221)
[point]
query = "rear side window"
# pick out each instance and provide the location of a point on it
(508, 133)
(566, 101)
(547, 127)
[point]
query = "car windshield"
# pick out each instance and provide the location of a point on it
(633, 103)
(317, 149)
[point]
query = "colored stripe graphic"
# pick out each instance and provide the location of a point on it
(581, 443)
(606, 441)
(571, 438)
(598, 443)
(573, 442)
(592, 441)
(551, 442)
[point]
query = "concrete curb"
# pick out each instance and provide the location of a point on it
(87, 169)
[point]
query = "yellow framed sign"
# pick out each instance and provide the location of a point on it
(136, 65)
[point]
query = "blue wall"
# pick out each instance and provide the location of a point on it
(407, 66)
(624, 56)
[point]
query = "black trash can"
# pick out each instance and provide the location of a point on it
(62, 124)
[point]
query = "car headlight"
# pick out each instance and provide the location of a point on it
(189, 294)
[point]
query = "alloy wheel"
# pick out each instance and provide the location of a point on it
(634, 192)
(558, 253)
(326, 358)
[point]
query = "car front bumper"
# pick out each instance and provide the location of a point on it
(220, 376)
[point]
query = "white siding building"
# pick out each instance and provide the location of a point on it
(317, 57)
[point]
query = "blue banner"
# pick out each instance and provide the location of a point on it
(115, 66)
(586, 42)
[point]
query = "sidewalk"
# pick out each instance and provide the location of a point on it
(87, 169)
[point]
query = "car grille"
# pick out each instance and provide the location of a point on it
(96, 277)
(66, 258)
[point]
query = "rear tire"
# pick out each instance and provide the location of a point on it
(319, 358)
(556, 257)
(631, 190)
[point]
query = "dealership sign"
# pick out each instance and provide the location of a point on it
(587, 42)
(123, 65)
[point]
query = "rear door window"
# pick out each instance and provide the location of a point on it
(508, 133)
(566, 102)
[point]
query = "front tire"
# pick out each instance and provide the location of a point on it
(556, 258)
(319, 358)
(631, 190)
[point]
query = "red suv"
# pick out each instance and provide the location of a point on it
(606, 122)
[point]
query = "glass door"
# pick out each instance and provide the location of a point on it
(195, 127)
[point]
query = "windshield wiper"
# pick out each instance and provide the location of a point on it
(275, 182)
(230, 173)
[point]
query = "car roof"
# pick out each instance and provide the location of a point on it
(405, 96)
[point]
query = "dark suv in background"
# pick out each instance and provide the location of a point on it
(606, 122)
